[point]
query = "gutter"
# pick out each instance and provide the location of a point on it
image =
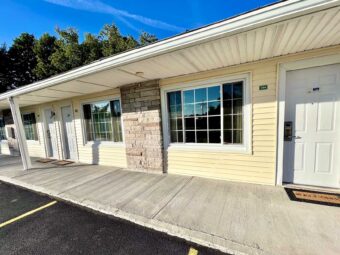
(261, 17)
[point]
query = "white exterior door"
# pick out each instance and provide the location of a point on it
(312, 106)
(70, 145)
(51, 134)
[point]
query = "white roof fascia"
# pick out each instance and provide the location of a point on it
(264, 16)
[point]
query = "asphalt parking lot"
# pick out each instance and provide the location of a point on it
(65, 229)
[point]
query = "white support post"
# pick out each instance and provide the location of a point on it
(20, 133)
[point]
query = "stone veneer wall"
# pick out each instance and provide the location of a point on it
(141, 105)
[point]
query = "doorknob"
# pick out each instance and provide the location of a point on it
(294, 137)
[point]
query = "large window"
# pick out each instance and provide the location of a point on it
(30, 128)
(103, 121)
(208, 115)
(2, 129)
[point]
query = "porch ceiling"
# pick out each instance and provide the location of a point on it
(314, 30)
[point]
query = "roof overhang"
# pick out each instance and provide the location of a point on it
(279, 29)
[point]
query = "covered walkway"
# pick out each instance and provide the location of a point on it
(233, 217)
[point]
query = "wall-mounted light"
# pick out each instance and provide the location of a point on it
(140, 74)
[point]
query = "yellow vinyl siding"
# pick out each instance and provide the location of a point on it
(107, 154)
(36, 148)
(260, 165)
(104, 154)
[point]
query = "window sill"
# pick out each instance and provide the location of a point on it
(237, 149)
(105, 144)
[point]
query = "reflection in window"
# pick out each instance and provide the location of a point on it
(103, 121)
(233, 113)
(2, 129)
(30, 126)
(207, 115)
(175, 116)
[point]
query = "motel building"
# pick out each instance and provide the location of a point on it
(254, 99)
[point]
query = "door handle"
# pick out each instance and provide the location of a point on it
(295, 137)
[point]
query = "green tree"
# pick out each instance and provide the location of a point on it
(44, 47)
(22, 60)
(4, 68)
(113, 42)
(68, 54)
(28, 59)
(146, 38)
(91, 48)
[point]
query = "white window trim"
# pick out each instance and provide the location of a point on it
(247, 113)
(100, 143)
(34, 142)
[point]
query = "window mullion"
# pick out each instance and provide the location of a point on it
(93, 126)
(183, 123)
(222, 114)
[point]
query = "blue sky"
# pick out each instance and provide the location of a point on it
(162, 18)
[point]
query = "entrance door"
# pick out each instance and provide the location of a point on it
(69, 138)
(311, 150)
(51, 134)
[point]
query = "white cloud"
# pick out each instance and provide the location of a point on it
(100, 7)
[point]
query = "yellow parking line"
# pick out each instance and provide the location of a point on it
(27, 214)
(192, 251)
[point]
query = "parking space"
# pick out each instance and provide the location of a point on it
(65, 229)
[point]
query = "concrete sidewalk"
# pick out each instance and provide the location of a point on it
(233, 217)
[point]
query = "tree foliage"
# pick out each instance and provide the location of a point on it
(30, 59)
(22, 61)
(44, 47)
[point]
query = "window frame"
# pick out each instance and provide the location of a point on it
(206, 83)
(36, 140)
(83, 124)
(4, 127)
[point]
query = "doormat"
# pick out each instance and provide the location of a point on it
(62, 162)
(45, 160)
(316, 197)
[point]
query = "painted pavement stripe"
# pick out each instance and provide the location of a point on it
(27, 214)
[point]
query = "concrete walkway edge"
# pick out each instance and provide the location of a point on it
(200, 238)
